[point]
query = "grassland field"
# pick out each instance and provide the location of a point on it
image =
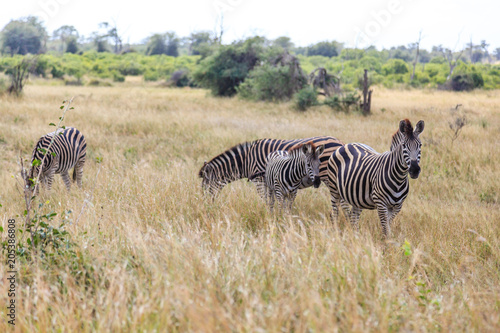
(154, 255)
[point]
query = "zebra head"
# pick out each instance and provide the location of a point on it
(411, 145)
(312, 154)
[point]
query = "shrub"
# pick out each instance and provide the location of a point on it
(343, 102)
(269, 83)
(395, 66)
(305, 98)
(466, 82)
(117, 77)
(151, 76)
(228, 67)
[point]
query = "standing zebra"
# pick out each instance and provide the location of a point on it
(286, 170)
(250, 158)
(368, 180)
(67, 151)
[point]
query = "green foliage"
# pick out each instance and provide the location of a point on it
(466, 81)
(23, 36)
(395, 66)
(344, 102)
(271, 83)
(167, 43)
(305, 98)
(326, 49)
(225, 70)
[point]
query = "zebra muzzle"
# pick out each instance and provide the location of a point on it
(317, 181)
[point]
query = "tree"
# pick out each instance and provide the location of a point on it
(451, 58)
(199, 42)
(112, 33)
(167, 43)
(23, 36)
(326, 49)
(71, 45)
(64, 34)
(284, 42)
(417, 47)
(223, 71)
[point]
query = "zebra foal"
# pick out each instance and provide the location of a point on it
(67, 151)
(286, 170)
(368, 180)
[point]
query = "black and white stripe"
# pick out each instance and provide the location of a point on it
(368, 180)
(250, 158)
(67, 151)
(286, 170)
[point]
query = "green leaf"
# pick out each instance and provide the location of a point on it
(43, 150)
(62, 107)
(53, 154)
(1, 228)
(52, 124)
(36, 162)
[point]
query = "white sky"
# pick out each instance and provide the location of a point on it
(383, 23)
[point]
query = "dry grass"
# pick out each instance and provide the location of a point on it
(158, 257)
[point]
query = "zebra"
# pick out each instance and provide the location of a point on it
(366, 179)
(286, 170)
(250, 158)
(67, 151)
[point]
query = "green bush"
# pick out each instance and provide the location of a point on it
(395, 66)
(343, 102)
(228, 67)
(117, 77)
(466, 82)
(271, 83)
(305, 98)
(151, 76)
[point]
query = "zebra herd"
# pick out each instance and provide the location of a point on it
(357, 176)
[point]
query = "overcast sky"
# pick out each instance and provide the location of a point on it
(383, 23)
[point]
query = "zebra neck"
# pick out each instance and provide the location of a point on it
(399, 167)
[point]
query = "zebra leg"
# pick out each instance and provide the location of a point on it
(271, 197)
(354, 217)
(291, 198)
(49, 177)
(346, 208)
(78, 172)
(383, 215)
(65, 177)
(335, 199)
(393, 212)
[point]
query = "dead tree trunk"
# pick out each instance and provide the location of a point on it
(416, 57)
(367, 95)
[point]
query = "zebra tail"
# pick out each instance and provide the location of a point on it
(255, 175)
(74, 175)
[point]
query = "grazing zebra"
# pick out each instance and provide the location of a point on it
(368, 180)
(250, 158)
(286, 170)
(67, 151)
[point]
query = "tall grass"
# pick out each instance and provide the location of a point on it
(153, 255)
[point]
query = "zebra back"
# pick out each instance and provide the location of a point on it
(68, 147)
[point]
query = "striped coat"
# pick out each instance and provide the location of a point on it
(286, 170)
(67, 151)
(250, 158)
(366, 179)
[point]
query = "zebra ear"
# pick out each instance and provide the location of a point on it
(402, 126)
(320, 150)
(306, 149)
(419, 128)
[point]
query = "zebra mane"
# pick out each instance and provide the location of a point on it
(313, 146)
(241, 146)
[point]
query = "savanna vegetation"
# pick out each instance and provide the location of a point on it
(140, 248)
